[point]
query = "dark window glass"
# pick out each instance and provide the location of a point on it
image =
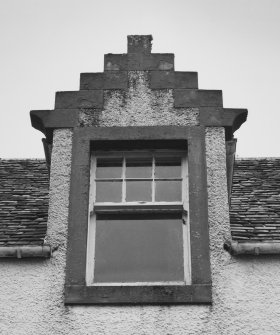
(168, 190)
(168, 167)
(137, 248)
(108, 191)
(109, 168)
(139, 167)
(138, 190)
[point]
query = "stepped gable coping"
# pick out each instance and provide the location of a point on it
(162, 75)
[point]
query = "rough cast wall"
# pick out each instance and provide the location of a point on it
(245, 291)
(139, 106)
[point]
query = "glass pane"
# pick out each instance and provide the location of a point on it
(109, 168)
(138, 191)
(168, 167)
(138, 248)
(108, 191)
(139, 167)
(168, 190)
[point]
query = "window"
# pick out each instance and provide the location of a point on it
(142, 189)
(138, 222)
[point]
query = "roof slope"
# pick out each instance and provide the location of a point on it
(254, 215)
(23, 201)
(255, 202)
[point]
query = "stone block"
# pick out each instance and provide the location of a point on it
(138, 62)
(222, 117)
(212, 116)
(115, 62)
(60, 118)
(105, 80)
(144, 62)
(139, 44)
(186, 80)
(171, 79)
(162, 79)
(197, 98)
(79, 99)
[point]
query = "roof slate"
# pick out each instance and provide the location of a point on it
(255, 201)
(23, 201)
(254, 215)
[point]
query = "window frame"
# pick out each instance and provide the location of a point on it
(138, 207)
(76, 290)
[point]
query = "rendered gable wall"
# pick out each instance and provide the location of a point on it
(245, 291)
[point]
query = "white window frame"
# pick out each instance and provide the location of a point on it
(138, 207)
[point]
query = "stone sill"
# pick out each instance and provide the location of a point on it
(252, 248)
(26, 251)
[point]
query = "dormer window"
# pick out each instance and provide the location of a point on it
(137, 227)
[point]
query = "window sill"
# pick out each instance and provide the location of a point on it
(166, 294)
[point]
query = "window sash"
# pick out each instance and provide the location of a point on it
(91, 256)
(138, 206)
(123, 179)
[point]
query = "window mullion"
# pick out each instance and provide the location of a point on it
(153, 179)
(123, 180)
(92, 193)
(184, 176)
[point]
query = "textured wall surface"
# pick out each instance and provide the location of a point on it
(246, 291)
(139, 106)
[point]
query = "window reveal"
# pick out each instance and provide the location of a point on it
(138, 224)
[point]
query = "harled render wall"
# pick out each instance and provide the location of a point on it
(245, 291)
(139, 106)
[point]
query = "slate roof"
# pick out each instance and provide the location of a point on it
(255, 201)
(23, 201)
